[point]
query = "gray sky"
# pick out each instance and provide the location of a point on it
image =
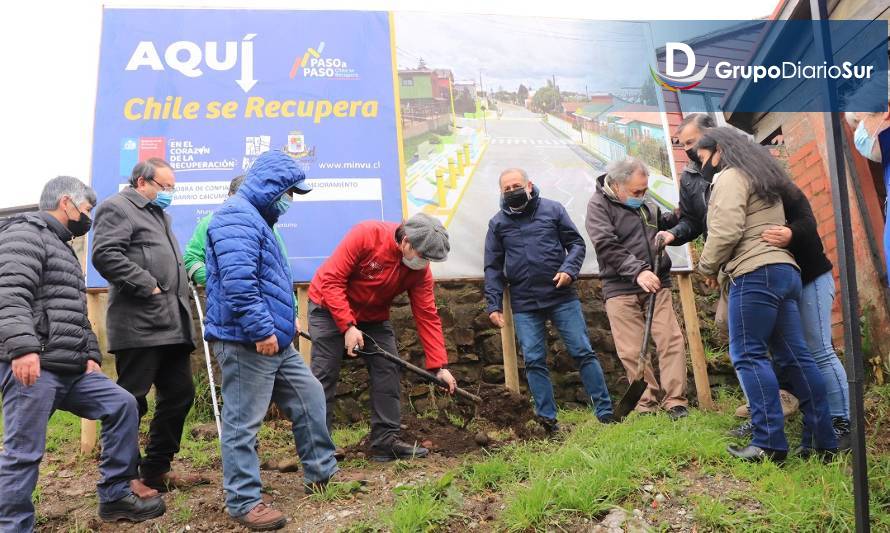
(51, 59)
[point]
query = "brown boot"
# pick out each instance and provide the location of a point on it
(139, 489)
(172, 481)
(262, 518)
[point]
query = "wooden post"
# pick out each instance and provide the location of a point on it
(303, 319)
(696, 348)
(95, 313)
(508, 345)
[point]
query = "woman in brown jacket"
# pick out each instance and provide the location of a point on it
(764, 285)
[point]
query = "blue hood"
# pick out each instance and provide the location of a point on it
(530, 208)
(270, 176)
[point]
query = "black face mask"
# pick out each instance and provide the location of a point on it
(708, 170)
(80, 226)
(516, 199)
(692, 154)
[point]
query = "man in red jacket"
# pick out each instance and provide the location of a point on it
(349, 301)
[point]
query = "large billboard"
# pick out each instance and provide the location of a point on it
(389, 114)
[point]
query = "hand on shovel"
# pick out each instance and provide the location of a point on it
(353, 339)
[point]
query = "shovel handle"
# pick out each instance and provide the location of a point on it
(432, 378)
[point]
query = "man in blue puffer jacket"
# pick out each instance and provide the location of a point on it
(533, 246)
(251, 325)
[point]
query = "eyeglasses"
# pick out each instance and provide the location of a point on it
(165, 188)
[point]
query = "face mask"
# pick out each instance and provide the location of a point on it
(282, 205)
(80, 226)
(415, 263)
(634, 203)
(163, 199)
(708, 170)
(866, 143)
(516, 199)
(692, 154)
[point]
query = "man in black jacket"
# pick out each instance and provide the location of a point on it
(533, 248)
(150, 327)
(695, 189)
(49, 359)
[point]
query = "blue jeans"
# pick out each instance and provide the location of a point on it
(816, 299)
(250, 382)
(764, 315)
(568, 319)
(26, 412)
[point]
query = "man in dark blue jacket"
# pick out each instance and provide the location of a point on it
(533, 247)
(252, 324)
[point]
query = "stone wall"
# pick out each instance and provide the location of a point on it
(474, 349)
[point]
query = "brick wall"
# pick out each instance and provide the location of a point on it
(804, 137)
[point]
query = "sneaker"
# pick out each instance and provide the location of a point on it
(354, 482)
(677, 412)
(743, 431)
(607, 419)
(841, 427)
(550, 425)
(262, 518)
(398, 449)
(132, 508)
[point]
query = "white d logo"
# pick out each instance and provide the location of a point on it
(670, 49)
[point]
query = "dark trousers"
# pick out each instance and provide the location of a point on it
(26, 412)
(327, 354)
(169, 369)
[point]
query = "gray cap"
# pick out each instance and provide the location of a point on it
(428, 237)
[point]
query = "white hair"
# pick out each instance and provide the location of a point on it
(619, 172)
(61, 186)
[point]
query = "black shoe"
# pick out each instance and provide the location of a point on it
(132, 508)
(550, 425)
(841, 427)
(744, 431)
(607, 419)
(677, 412)
(805, 453)
(755, 453)
(398, 449)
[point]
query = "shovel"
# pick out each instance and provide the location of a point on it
(413, 368)
(637, 387)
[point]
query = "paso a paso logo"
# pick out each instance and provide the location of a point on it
(190, 58)
(314, 63)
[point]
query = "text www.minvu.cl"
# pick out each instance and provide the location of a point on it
(349, 165)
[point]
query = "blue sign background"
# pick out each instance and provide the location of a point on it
(311, 229)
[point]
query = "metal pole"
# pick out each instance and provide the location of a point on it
(847, 266)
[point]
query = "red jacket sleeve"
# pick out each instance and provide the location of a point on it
(335, 276)
(429, 325)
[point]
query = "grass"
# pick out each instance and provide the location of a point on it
(422, 507)
(543, 484)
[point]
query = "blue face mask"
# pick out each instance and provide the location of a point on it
(163, 199)
(634, 203)
(865, 143)
(282, 205)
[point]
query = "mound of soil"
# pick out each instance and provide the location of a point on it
(470, 426)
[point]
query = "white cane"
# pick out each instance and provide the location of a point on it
(209, 367)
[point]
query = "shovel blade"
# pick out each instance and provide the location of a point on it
(629, 401)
